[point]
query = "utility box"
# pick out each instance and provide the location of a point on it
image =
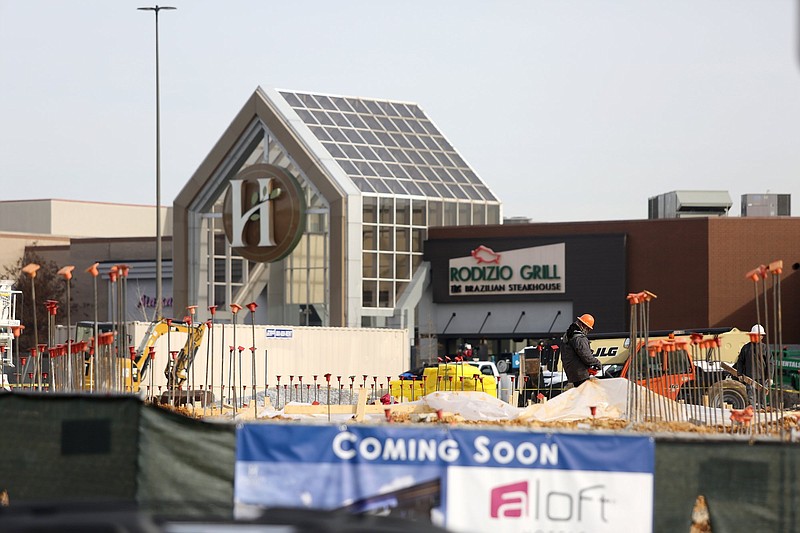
(766, 205)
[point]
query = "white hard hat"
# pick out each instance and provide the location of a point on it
(757, 329)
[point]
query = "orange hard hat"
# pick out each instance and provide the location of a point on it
(587, 320)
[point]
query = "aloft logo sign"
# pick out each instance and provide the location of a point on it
(264, 213)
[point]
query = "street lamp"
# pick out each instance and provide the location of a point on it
(155, 10)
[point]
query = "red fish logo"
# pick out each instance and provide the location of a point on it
(484, 254)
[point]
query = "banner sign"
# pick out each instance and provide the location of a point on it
(534, 270)
(464, 480)
(280, 333)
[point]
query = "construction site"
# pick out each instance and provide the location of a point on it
(336, 324)
(173, 399)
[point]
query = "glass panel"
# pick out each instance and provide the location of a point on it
(403, 266)
(458, 192)
(399, 155)
(340, 120)
(396, 187)
(367, 153)
(418, 237)
(415, 158)
(379, 186)
(326, 103)
(429, 159)
(357, 105)
(387, 124)
(373, 123)
(369, 137)
(370, 209)
(306, 116)
(369, 242)
(478, 215)
(397, 171)
(341, 103)
(399, 287)
(350, 151)
(402, 240)
(400, 140)
(464, 214)
(336, 134)
(353, 137)
(449, 214)
(219, 269)
(402, 126)
(492, 214)
(322, 118)
(416, 111)
(362, 184)
(386, 294)
(387, 243)
(293, 100)
(416, 259)
(413, 172)
(403, 210)
(370, 265)
(381, 169)
(412, 188)
(416, 126)
(308, 100)
(418, 213)
(385, 139)
(434, 214)
(387, 211)
(373, 107)
(386, 266)
(443, 190)
(471, 192)
(369, 296)
(403, 110)
(415, 142)
(334, 150)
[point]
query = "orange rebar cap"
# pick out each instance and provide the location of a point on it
(587, 320)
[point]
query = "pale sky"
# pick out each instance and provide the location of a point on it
(568, 110)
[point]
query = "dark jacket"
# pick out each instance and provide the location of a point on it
(576, 355)
(754, 364)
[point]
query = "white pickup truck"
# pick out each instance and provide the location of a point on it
(487, 368)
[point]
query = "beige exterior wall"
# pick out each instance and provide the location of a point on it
(12, 245)
(82, 219)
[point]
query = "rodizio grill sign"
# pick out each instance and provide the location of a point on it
(264, 213)
(536, 270)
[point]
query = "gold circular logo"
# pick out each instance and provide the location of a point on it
(264, 213)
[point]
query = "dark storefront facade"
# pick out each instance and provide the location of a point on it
(696, 267)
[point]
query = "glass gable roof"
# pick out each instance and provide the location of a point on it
(388, 147)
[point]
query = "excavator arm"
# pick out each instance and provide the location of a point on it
(176, 369)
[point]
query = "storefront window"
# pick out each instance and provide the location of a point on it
(370, 209)
(434, 213)
(403, 211)
(387, 210)
(464, 214)
(418, 213)
(369, 242)
(449, 214)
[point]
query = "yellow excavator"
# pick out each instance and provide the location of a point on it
(134, 369)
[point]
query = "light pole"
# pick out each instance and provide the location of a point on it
(155, 10)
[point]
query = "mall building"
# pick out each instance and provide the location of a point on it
(347, 211)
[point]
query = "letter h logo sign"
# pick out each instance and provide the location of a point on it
(261, 213)
(510, 501)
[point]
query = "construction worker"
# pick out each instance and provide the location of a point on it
(576, 354)
(755, 361)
